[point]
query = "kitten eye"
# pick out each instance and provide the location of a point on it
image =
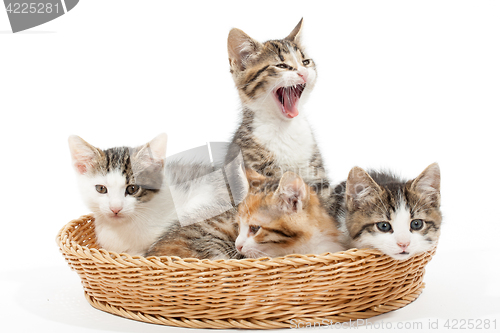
(132, 189)
(101, 189)
(254, 229)
(306, 62)
(284, 66)
(417, 224)
(384, 226)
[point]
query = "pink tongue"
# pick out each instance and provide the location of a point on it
(290, 104)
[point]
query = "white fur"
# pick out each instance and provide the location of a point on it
(290, 140)
(388, 242)
(205, 197)
(136, 227)
(296, 62)
(318, 244)
(246, 243)
(123, 224)
(321, 243)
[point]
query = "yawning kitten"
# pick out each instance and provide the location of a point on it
(273, 80)
(284, 217)
(378, 210)
(135, 198)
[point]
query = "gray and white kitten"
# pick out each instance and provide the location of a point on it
(136, 196)
(274, 80)
(378, 210)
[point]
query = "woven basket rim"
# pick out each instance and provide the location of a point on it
(100, 254)
(161, 290)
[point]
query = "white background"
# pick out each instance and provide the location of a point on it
(401, 84)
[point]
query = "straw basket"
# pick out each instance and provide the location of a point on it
(250, 293)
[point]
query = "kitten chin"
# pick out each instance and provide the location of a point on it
(285, 217)
(378, 210)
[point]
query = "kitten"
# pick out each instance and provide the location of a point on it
(134, 194)
(277, 217)
(274, 79)
(212, 239)
(285, 217)
(378, 210)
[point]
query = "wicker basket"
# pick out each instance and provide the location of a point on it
(250, 293)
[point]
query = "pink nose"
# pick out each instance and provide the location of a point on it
(404, 245)
(239, 248)
(115, 210)
(303, 75)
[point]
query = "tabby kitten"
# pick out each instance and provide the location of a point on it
(135, 195)
(212, 239)
(285, 217)
(277, 217)
(123, 188)
(274, 79)
(378, 210)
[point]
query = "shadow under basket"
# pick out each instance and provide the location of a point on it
(259, 293)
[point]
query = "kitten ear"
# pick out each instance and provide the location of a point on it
(360, 188)
(291, 192)
(429, 181)
(159, 146)
(83, 154)
(254, 178)
(241, 48)
(294, 36)
(153, 152)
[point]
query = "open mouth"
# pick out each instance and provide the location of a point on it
(288, 99)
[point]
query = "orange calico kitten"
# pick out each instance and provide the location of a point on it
(278, 217)
(284, 217)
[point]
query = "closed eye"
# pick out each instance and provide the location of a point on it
(282, 241)
(282, 233)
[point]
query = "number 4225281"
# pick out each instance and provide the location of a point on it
(32, 8)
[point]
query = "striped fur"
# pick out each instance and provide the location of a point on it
(125, 222)
(166, 192)
(284, 217)
(273, 136)
(211, 239)
(366, 199)
(271, 141)
(290, 228)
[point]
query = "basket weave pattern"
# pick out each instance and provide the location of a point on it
(250, 293)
